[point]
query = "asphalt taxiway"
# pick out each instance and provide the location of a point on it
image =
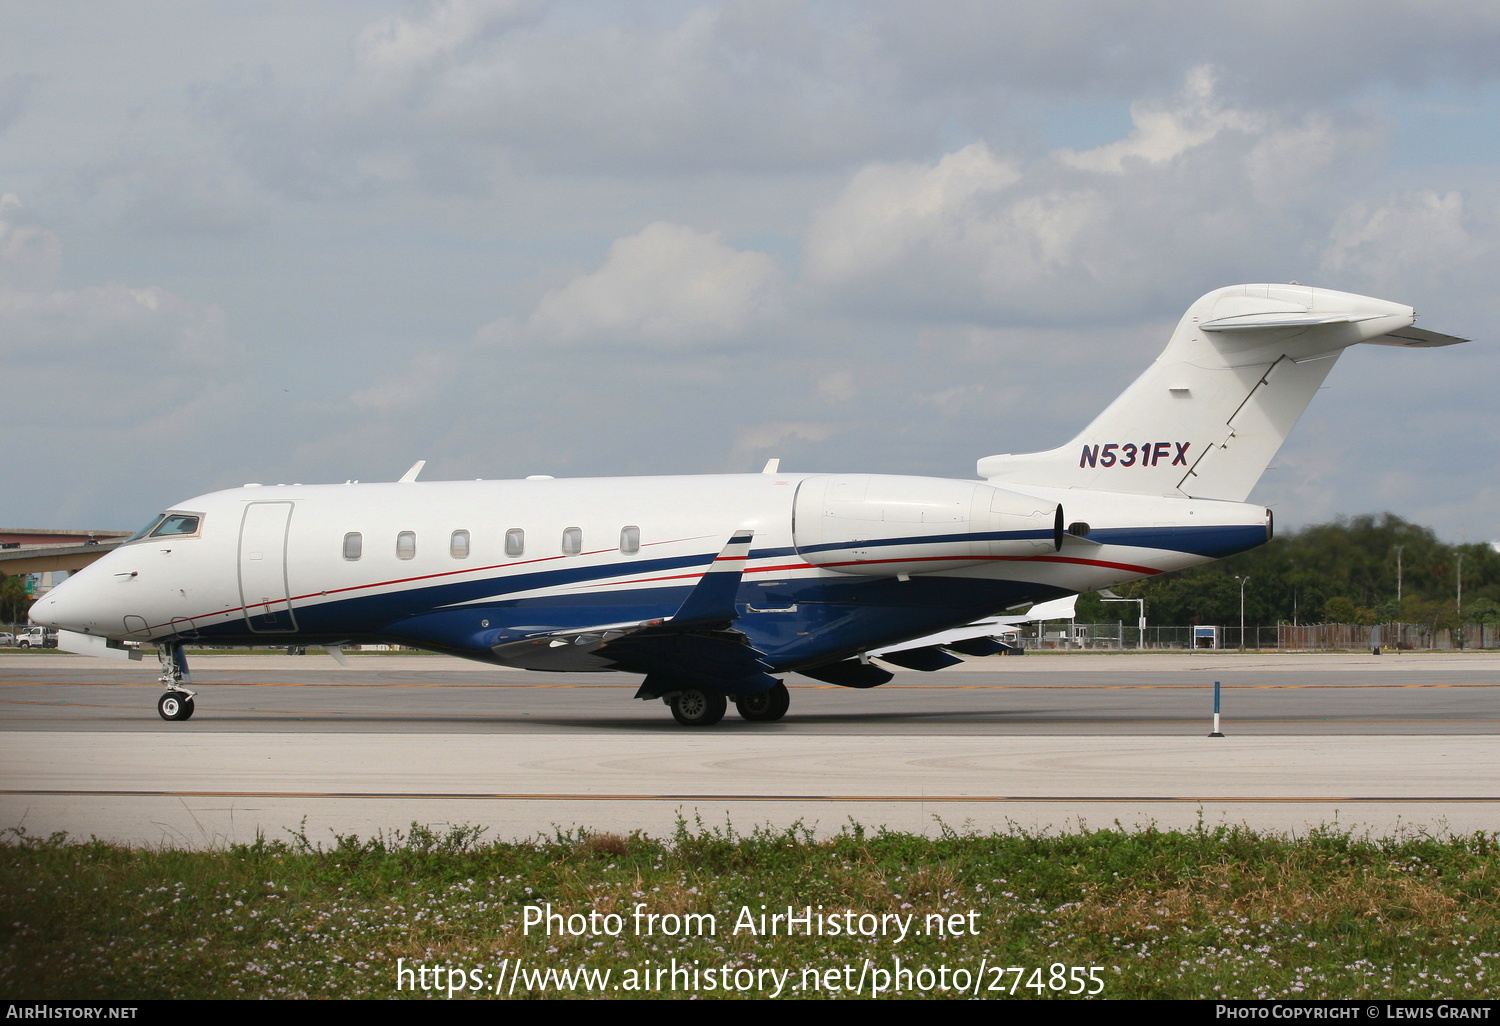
(1384, 743)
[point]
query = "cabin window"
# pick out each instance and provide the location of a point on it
(406, 545)
(458, 545)
(515, 541)
(572, 541)
(354, 545)
(630, 540)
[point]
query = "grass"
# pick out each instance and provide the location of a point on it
(1209, 913)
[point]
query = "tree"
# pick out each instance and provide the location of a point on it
(1295, 577)
(1342, 610)
(14, 602)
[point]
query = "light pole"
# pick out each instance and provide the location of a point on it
(1460, 609)
(1243, 581)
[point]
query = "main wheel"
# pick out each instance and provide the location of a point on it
(766, 706)
(173, 706)
(698, 708)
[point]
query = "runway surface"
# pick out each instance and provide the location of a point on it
(1042, 742)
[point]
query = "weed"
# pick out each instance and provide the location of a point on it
(1209, 912)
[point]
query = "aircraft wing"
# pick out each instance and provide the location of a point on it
(695, 646)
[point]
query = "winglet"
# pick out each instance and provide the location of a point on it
(712, 598)
(411, 475)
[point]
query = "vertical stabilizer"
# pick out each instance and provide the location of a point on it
(1207, 417)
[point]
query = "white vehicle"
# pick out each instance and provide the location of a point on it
(36, 637)
(7, 639)
(709, 587)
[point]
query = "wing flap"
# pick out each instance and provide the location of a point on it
(925, 659)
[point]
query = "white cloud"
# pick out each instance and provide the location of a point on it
(41, 321)
(887, 210)
(1197, 184)
(426, 377)
(29, 256)
(667, 287)
(178, 194)
(1166, 130)
(1416, 235)
(392, 53)
(774, 436)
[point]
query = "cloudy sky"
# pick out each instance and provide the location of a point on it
(317, 241)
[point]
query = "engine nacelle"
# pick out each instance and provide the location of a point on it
(881, 526)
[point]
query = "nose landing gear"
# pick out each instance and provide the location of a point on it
(177, 703)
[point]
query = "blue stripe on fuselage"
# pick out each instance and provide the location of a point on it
(1215, 542)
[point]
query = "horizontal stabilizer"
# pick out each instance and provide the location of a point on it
(1417, 338)
(1262, 322)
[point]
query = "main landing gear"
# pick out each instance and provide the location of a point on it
(177, 703)
(696, 707)
(699, 707)
(765, 706)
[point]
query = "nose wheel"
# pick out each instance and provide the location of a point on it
(175, 705)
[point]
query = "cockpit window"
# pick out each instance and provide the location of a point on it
(174, 524)
(147, 529)
(168, 525)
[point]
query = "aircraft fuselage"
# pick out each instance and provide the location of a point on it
(468, 567)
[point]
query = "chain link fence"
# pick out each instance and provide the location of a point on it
(1059, 635)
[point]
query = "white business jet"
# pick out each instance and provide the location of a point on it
(711, 586)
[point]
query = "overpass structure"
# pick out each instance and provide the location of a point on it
(27, 550)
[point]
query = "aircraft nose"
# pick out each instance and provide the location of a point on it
(66, 607)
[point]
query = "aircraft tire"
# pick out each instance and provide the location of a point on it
(174, 707)
(765, 707)
(695, 707)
